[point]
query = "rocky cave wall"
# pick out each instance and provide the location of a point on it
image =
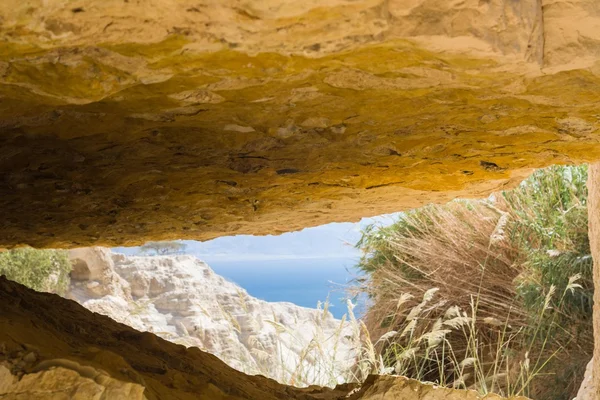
(126, 120)
(594, 235)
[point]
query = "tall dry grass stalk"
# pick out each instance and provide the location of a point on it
(508, 264)
(458, 249)
(460, 349)
(317, 357)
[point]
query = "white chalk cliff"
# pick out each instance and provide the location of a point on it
(181, 299)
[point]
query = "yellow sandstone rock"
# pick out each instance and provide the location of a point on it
(122, 121)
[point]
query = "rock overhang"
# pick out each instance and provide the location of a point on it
(196, 119)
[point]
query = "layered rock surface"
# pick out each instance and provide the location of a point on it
(72, 349)
(63, 379)
(181, 299)
(127, 120)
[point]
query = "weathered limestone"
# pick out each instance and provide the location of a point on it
(127, 120)
(594, 235)
(61, 379)
(73, 349)
(66, 330)
(93, 274)
(399, 388)
(181, 299)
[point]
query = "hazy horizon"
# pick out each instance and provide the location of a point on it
(302, 267)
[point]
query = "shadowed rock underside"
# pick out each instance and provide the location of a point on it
(122, 121)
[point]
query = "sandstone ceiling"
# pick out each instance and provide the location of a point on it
(124, 120)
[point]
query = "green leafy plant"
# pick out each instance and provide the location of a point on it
(41, 270)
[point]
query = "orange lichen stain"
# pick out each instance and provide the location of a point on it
(389, 125)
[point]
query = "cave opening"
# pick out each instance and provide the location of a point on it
(332, 304)
(128, 121)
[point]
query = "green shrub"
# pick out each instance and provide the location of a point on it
(41, 270)
(549, 225)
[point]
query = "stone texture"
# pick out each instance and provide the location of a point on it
(116, 117)
(61, 379)
(400, 388)
(122, 121)
(594, 235)
(181, 299)
(587, 390)
(93, 274)
(75, 349)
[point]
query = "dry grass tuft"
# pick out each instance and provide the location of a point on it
(478, 293)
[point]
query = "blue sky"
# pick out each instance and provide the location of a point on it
(302, 267)
(334, 240)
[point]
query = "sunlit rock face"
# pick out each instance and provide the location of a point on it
(124, 120)
(587, 390)
(127, 120)
(73, 351)
(181, 299)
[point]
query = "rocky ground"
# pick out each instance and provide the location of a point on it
(52, 348)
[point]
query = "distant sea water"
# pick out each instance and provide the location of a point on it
(302, 281)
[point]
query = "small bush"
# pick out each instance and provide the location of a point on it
(41, 270)
(163, 248)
